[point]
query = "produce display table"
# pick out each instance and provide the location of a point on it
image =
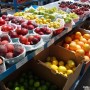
(31, 54)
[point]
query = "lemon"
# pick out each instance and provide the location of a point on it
(74, 69)
(55, 62)
(69, 72)
(61, 63)
(62, 69)
(54, 67)
(48, 64)
(71, 63)
(48, 58)
(67, 66)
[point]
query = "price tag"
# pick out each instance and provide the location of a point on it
(39, 50)
(22, 62)
(50, 42)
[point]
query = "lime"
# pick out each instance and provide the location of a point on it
(22, 88)
(37, 84)
(44, 87)
(39, 88)
(54, 87)
(33, 88)
(47, 84)
(17, 88)
(31, 81)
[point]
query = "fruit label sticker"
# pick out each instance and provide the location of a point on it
(50, 42)
(22, 62)
(39, 50)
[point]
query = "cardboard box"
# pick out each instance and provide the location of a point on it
(61, 54)
(40, 69)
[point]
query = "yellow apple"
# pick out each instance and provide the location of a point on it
(61, 63)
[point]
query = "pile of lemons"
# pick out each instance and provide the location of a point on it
(60, 66)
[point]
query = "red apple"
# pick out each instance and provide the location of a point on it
(35, 40)
(48, 31)
(9, 55)
(30, 38)
(2, 22)
(38, 37)
(5, 37)
(9, 28)
(10, 48)
(37, 30)
(41, 33)
(4, 28)
(19, 30)
(4, 16)
(18, 50)
(23, 40)
(24, 31)
(4, 42)
(24, 25)
(13, 34)
(3, 49)
(30, 27)
(29, 22)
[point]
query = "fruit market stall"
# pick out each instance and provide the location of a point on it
(30, 34)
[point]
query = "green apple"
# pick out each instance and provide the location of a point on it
(68, 19)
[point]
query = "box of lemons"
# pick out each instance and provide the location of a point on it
(29, 81)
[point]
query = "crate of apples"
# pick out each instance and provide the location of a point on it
(12, 53)
(44, 32)
(29, 25)
(15, 35)
(8, 27)
(31, 42)
(78, 43)
(4, 39)
(61, 67)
